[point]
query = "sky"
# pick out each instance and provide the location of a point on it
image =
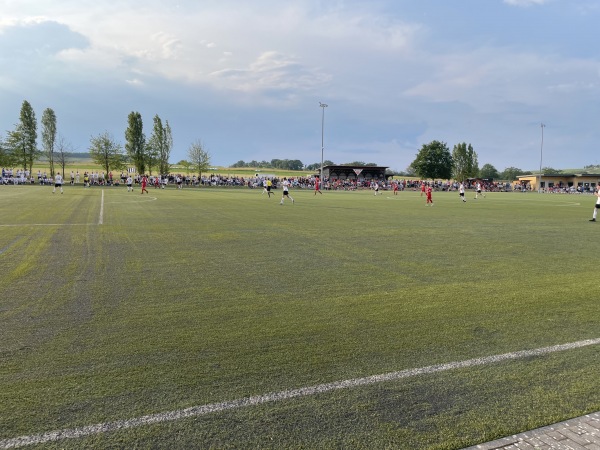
(246, 78)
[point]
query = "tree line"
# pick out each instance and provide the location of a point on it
(294, 164)
(20, 147)
(435, 160)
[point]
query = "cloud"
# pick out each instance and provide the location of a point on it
(525, 2)
(37, 38)
(271, 71)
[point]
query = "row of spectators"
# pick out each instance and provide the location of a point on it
(19, 176)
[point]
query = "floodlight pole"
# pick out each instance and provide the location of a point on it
(323, 106)
(541, 155)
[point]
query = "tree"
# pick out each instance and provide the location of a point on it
(106, 152)
(49, 137)
(511, 173)
(296, 164)
(186, 165)
(198, 156)
(488, 171)
(22, 141)
(135, 142)
(550, 171)
(360, 163)
(410, 171)
(433, 161)
(465, 162)
(164, 165)
(6, 156)
(160, 145)
(63, 154)
(317, 166)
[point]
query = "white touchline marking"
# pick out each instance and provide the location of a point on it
(196, 411)
(23, 225)
(101, 209)
(145, 199)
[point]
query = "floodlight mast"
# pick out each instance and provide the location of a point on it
(323, 106)
(541, 155)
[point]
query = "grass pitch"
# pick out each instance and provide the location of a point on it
(116, 305)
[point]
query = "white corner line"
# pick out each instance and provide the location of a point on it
(196, 411)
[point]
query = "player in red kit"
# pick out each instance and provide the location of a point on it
(428, 193)
(317, 186)
(144, 184)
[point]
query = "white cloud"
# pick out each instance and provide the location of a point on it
(135, 82)
(258, 47)
(525, 2)
(270, 71)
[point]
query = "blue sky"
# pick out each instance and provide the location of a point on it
(246, 78)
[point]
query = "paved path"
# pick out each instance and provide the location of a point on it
(580, 433)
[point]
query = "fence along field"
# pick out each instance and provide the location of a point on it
(198, 297)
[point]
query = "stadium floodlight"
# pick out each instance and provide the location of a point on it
(541, 156)
(323, 106)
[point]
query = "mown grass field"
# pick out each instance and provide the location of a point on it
(116, 305)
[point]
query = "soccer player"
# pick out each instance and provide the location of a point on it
(129, 183)
(376, 187)
(597, 194)
(422, 188)
(286, 185)
(461, 192)
(428, 193)
(58, 181)
(269, 186)
(395, 188)
(478, 191)
(144, 184)
(317, 186)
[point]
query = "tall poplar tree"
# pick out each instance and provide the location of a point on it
(49, 136)
(22, 141)
(166, 154)
(135, 142)
(465, 162)
(160, 145)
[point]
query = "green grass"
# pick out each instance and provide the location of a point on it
(206, 295)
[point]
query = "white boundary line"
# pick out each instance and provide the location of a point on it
(196, 411)
(142, 200)
(101, 219)
(24, 225)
